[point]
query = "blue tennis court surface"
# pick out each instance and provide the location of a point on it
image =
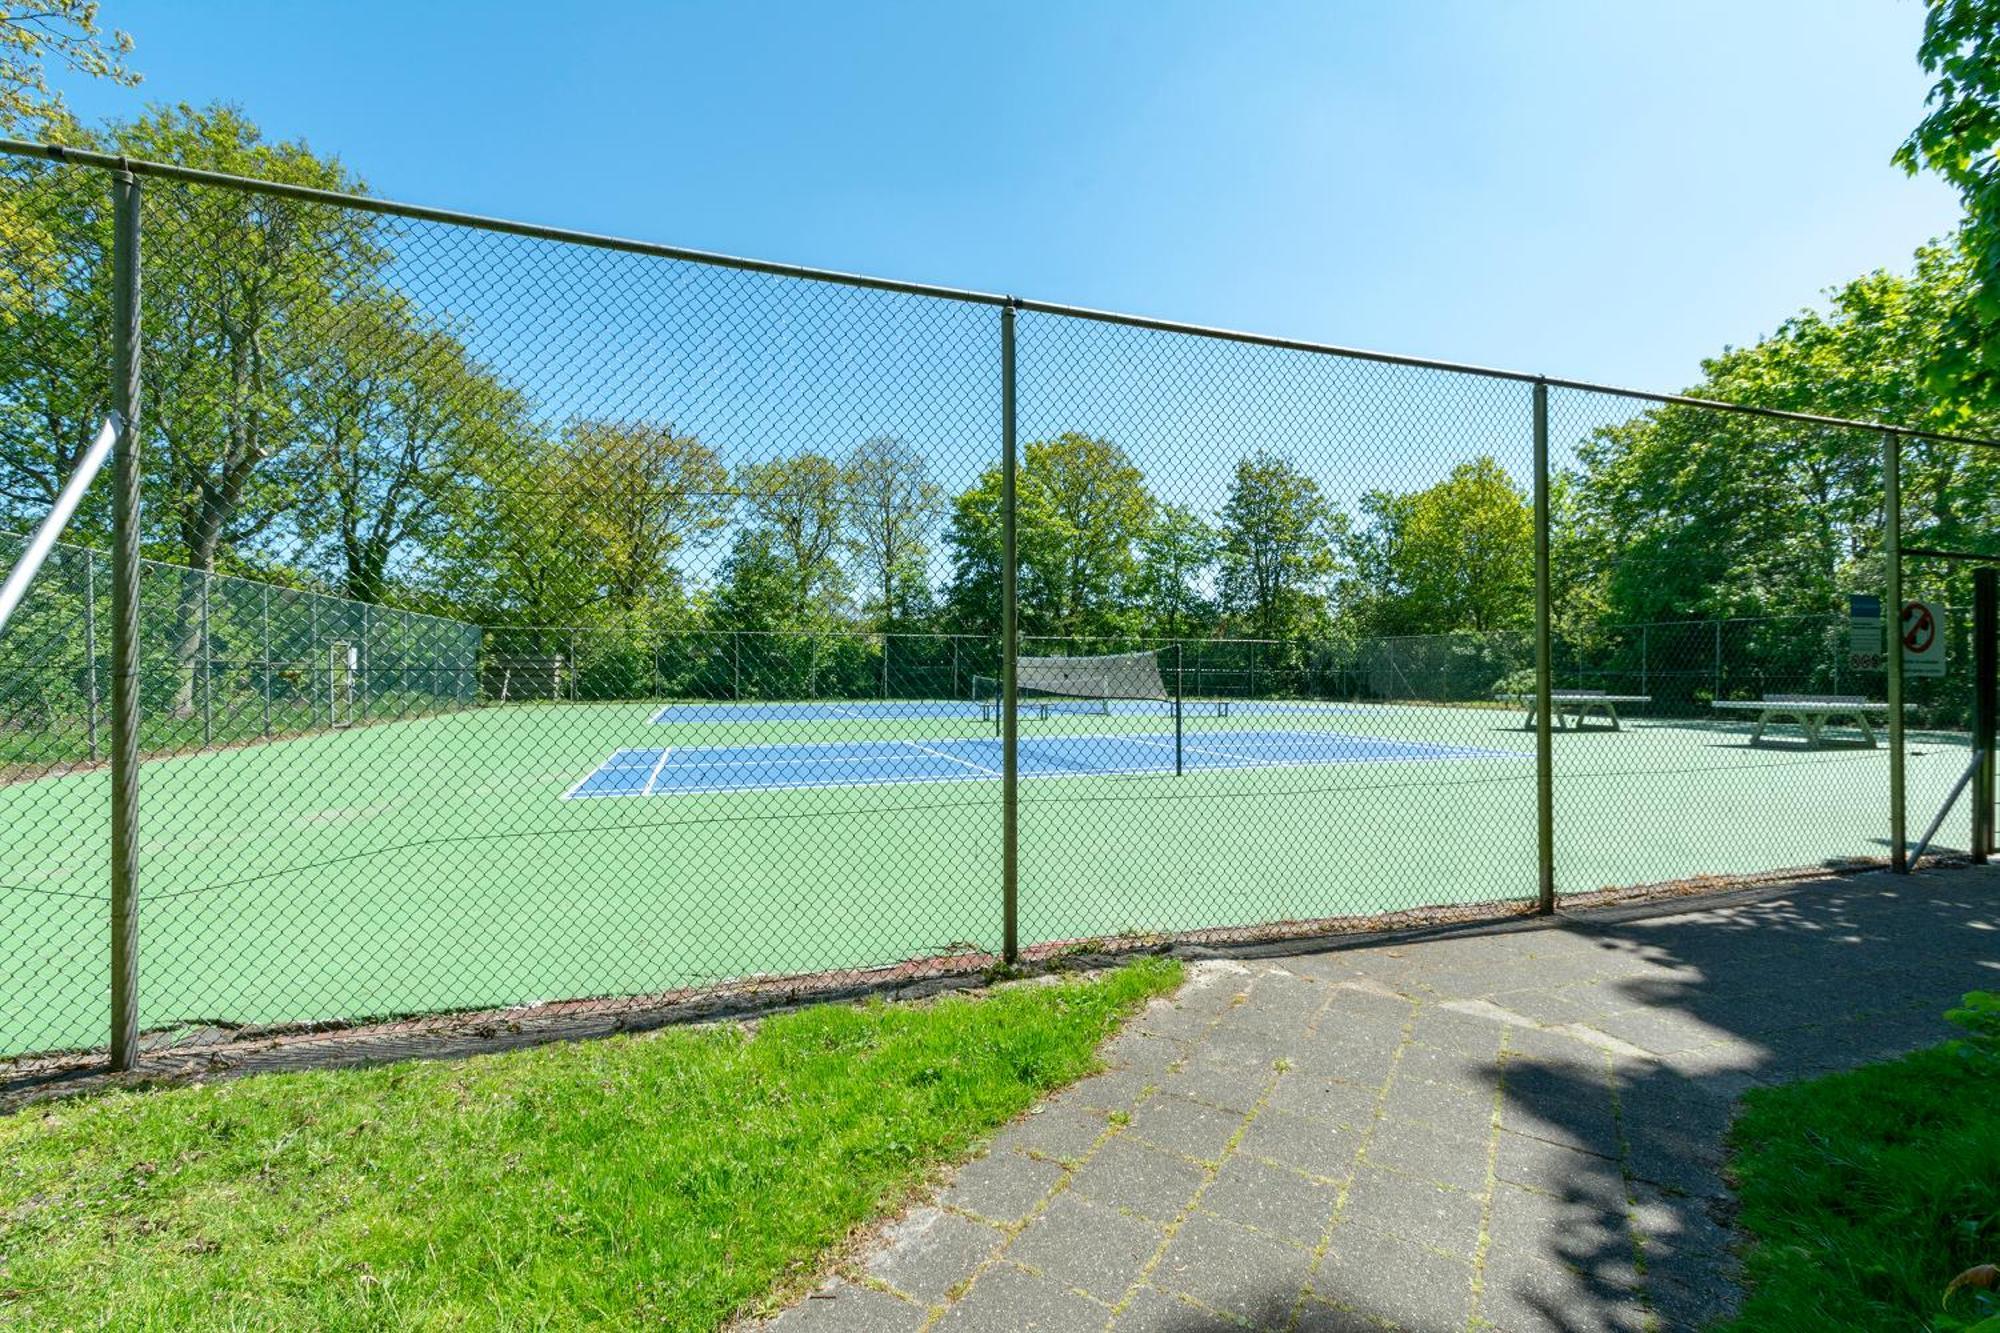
(825, 710)
(689, 770)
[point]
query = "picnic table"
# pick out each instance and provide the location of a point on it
(1812, 712)
(1577, 705)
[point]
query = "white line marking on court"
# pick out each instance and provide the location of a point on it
(1245, 759)
(654, 776)
(581, 782)
(800, 760)
(977, 768)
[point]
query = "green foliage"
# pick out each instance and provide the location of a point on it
(1082, 506)
(668, 1181)
(799, 501)
(1457, 556)
(33, 32)
(1866, 1192)
(1959, 140)
(890, 510)
(1278, 542)
(1979, 1014)
(1177, 554)
(1682, 512)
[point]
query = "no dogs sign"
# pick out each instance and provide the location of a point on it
(1922, 628)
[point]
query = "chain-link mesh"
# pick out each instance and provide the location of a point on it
(1266, 497)
(533, 621)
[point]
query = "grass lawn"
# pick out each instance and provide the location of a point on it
(1867, 1191)
(664, 1181)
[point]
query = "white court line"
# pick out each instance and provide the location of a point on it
(654, 776)
(977, 768)
(763, 763)
(578, 785)
(1248, 760)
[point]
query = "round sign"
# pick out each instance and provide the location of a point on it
(1919, 627)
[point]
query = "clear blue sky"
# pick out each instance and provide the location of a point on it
(1601, 190)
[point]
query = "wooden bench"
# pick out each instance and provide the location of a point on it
(1578, 705)
(1813, 713)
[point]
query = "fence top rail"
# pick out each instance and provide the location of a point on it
(194, 175)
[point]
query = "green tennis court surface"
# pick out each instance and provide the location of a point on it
(431, 864)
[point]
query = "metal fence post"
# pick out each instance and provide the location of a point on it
(267, 660)
(91, 700)
(367, 666)
(736, 664)
(1892, 545)
(313, 657)
(1010, 633)
(125, 389)
(207, 663)
(1985, 705)
(1545, 840)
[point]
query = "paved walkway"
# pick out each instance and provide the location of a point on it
(1516, 1129)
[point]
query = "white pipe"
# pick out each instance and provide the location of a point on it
(1977, 759)
(52, 527)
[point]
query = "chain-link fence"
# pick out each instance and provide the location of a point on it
(711, 624)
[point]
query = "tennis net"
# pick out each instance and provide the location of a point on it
(1047, 686)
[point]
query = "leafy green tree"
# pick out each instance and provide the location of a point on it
(1689, 512)
(757, 588)
(972, 600)
(1456, 556)
(55, 322)
(1960, 141)
(891, 508)
(1278, 548)
(1175, 582)
(34, 34)
(636, 495)
(583, 529)
(240, 292)
(394, 413)
(800, 500)
(1083, 507)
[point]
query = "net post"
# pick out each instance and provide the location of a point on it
(125, 389)
(1177, 708)
(1892, 543)
(1544, 732)
(1010, 645)
(1985, 696)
